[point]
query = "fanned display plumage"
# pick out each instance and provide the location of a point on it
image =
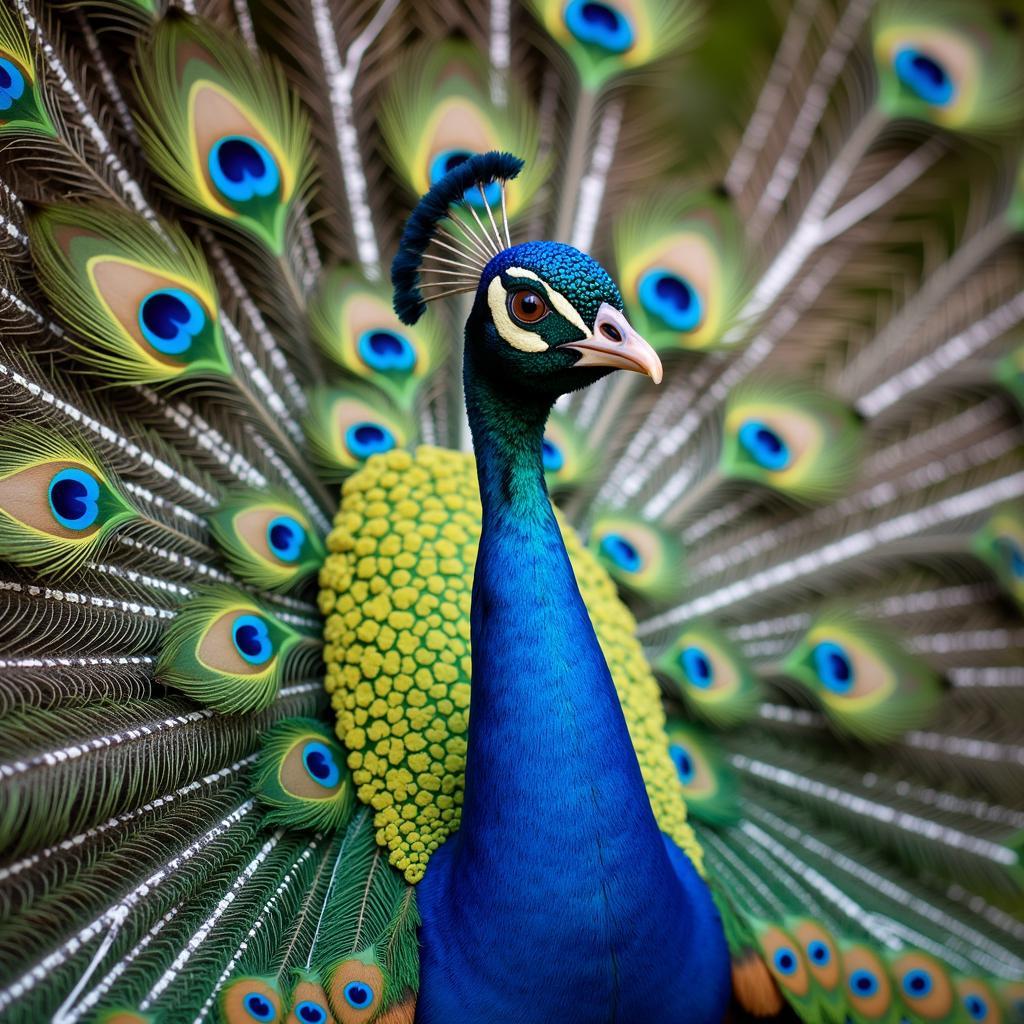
(240, 518)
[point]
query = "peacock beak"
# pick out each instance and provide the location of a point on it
(614, 343)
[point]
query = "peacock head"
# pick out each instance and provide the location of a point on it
(546, 318)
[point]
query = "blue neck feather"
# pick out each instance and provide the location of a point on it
(557, 899)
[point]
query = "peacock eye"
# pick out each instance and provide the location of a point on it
(358, 995)
(819, 952)
(527, 307)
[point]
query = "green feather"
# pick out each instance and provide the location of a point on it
(247, 998)
(301, 777)
(646, 31)
(141, 304)
(353, 323)
(821, 954)
(345, 427)
(999, 543)
(864, 680)
(641, 557)
(58, 506)
(267, 540)
(1009, 373)
(226, 651)
(26, 113)
(438, 110)
(682, 269)
(709, 786)
(791, 438)
(209, 108)
(569, 460)
(787, 964)
(367, 936)
(868, 988)
(711, 675)
(954, 63)
(926, 987)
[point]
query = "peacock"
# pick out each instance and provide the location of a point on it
(511, 512)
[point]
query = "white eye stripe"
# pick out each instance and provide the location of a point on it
(516, 336)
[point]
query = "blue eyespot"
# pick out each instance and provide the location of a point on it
(366, 439)
(764, 445)
(358, 995)
(170, 320)
(243, 169)
(785, 961)
(448, 160)
(924, 76)
(685, 768)
(74, 499)
(600, 25)
(863, 983)
(286, 537)
(621, 552)
(699, 669)
(259, 1007)
(666, 295)
(252, 639)
(12, 84)
(833, 666)
(552, 456)
(1011, 551)
(386, 351)
(320, 764)
(819, 952)
(977, 1008)
(917, 983)
(310, 1013)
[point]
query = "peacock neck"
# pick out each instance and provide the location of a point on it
(553, 786)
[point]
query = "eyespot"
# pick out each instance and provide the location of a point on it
(819, 953)
(682, 759)
(385, 351)
(977, 1008)
(834, 667)
(286, 537)
(12, 84)
(447, 160)
(527, 307)
(322, 768)
(917, 983)
(310, 1013)
(1013, 554)
(170, 319)
(600, 25)
(924, 75)
(251, 638)
(551, 455)
(243, 169)
(259, 1007)
(785, 961)
(698, 667)
(764, 445)
(364, 439)
(74, 499)
(863, 983)
(672, 298)
(358, 995)
(621, 552)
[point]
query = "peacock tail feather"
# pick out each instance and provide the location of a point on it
(239, 517)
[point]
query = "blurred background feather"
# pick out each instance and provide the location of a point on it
(813, 209)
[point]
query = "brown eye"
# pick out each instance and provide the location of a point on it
(527, 307)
